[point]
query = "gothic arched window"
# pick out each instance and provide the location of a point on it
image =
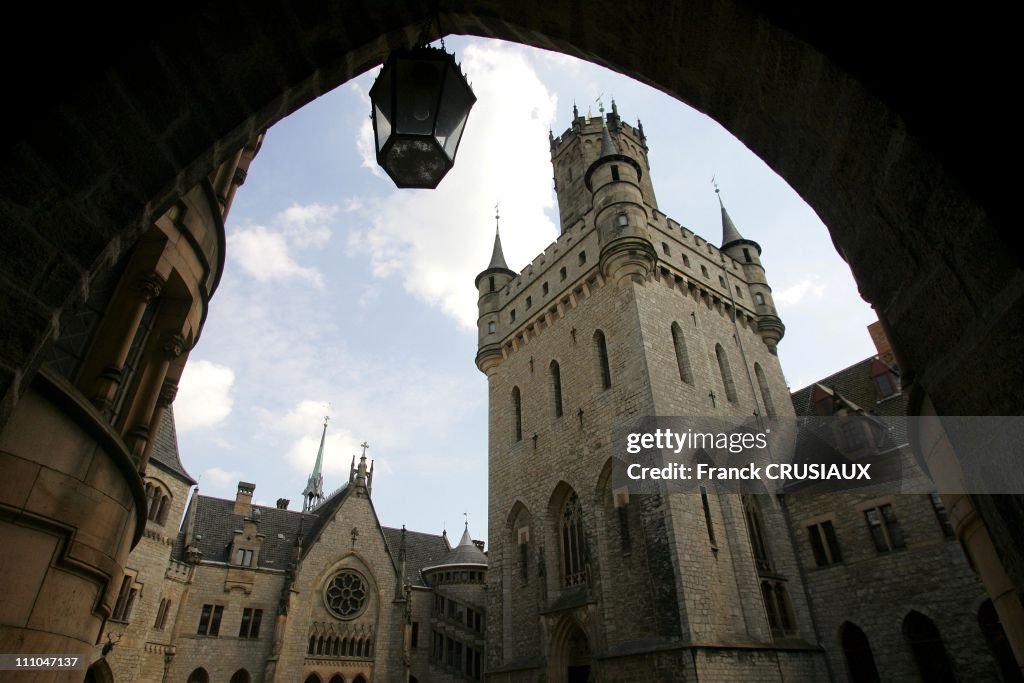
(755, 529)
(575, 562)
(857, 650)
(682, 357)
(517, 414)
(556, 388)
(604, 369)
(762, 383)
(925, 643)
(726, 371)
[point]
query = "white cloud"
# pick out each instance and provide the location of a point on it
(794, 295)
(221, 477)
(309, 225)
(438, 240)
(204, 395)
(265, 255)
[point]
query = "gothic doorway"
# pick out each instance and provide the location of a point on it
(99, 672)
(572, 659)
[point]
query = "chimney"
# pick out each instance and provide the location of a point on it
(282, 503)
(882, 346)
(243, 499)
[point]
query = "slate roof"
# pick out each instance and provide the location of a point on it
(165, 450)
(421, 550)
(212, 519)
(854, 385)
(464, 553)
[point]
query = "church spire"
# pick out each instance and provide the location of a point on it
(313, 494)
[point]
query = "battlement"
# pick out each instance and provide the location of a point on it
(592, 125)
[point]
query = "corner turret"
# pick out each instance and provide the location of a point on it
(748, 254)
(489, 284)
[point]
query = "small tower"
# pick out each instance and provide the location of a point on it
(313, 494)
(489, 284)
(748, 254)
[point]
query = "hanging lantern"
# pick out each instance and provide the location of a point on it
(420, 103)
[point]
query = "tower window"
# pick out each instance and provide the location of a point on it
(759, 298)
(623, 220)
(575, 563)
(517, 414)
(604, 369)
(682, 357)
(884, 528)
(739, 292)
(752, 515)
(766, 396)
(562, 273)
(529, 302)
(704, 271)
(726, 372)
(686, 260)
(824, 544)
(664, 248)
(746, 255)
(556, 387)
(615, 174)
(583, 257)
(707, 517)
(492, 327)
(512, 315)
(544, 289)
(490, 282)
(125, 599)
(721, 282)
(940, 514)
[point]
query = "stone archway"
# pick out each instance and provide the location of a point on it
(99, 672)
(145, 106)
(571, 657)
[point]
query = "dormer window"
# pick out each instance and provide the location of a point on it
(886, 381)
(243, 558)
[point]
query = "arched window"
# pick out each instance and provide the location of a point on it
(603, 368)
(925, 643)
(312, 678)
(240, 676)
(320, 645)
(755, 529)
(575, 562)
(199, 676)
(682, 357)
(859, 660)
(312, 645)
(995, 636)
(517, 414)
(726, 372)
(161, 614)
(158, 502)
(369, 647)
(556, 388)
(762, 383)
(337, 678)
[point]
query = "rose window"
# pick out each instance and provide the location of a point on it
(346, 595)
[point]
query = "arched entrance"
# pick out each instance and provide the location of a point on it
(860, 661)
(869, 139)
(99, 672)
(571, 657)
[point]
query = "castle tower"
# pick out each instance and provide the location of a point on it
(628, 313)
(313, 494)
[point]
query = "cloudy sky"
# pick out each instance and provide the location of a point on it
(343, 296)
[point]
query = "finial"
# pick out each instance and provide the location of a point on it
(615, 109)
(575, 111)
(466, 515)
(718, 192)
(497, 217)
(364, 446)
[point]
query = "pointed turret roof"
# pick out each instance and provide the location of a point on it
(497, 256)
(313, 494)
(730, 235)
(497, 264)
(608, 147)
(466, 552)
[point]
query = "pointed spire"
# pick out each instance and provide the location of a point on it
(729, 232)
(497, 256)
(608, 147)
(313, 494)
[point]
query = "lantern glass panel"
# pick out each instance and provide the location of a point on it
(456, 101)
(419, 88)
(415, 163)
(380, 96)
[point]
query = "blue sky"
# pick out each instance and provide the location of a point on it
(345, 296)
